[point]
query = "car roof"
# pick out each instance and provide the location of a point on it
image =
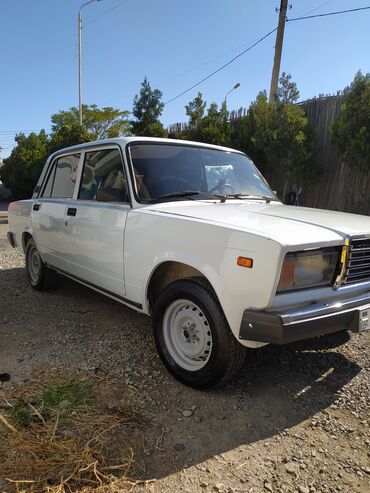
(127, 140)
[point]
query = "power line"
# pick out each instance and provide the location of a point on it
(319, 7)
(91, 20)
(259, 41)
(13, 132)
(207, 62)
(7, 147)
(327, 14)
(223, 66)
(6, 142)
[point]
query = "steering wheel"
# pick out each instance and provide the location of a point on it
(223, 188)
(175, 183)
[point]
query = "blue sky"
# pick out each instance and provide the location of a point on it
(174, 43)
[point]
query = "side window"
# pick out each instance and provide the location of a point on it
(49, 183)
(62, 177)
(103, 178)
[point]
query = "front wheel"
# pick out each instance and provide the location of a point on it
(192, 335)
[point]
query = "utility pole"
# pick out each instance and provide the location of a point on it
(79, 29)
(80, 65)
(278, 50)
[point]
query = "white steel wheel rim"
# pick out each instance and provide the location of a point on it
(187, 335)
(34, 264)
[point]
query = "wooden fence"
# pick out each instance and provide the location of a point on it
(340, 187)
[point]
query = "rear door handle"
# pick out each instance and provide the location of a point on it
(36, 207)
(71, 211)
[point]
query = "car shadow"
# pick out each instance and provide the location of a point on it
(278, 387)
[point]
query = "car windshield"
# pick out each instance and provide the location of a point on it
(164, 171)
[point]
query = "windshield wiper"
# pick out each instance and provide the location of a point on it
(189, 193)
(221, 197)
(180, 193)
(251, 197)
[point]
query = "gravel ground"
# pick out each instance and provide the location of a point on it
(295, 420)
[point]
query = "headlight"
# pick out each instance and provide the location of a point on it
(308, 269)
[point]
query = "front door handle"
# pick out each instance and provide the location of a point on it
(36, 207)
(71, 211)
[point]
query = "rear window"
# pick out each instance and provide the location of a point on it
(62, 177)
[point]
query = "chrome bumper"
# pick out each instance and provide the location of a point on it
(281, 327)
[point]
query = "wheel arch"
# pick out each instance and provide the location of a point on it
(167, 272)
(26, 236)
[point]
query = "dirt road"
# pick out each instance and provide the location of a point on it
(295, 420)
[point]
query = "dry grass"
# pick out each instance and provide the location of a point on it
(60, 434)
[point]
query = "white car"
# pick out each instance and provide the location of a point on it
(192, 234)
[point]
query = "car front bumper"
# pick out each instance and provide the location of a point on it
(316, 319)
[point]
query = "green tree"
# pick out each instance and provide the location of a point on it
(350, 131)
(68, 135)
(246, 128)
(212, 128)
(278, 137)
(22, 168)
(195, 110)
(215, 127)
(147, 108)
(100, 123)
(287, 90)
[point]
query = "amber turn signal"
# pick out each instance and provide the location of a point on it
(245, 262)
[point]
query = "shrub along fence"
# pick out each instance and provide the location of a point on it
(340, 186)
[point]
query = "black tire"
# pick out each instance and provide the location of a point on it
(40, 277)
(227, 354)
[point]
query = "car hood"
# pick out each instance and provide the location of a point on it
(289, 225)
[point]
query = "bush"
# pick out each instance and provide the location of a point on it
(351, 129)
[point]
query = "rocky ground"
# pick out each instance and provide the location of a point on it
(295, 420)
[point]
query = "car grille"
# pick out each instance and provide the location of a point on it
(358, 269)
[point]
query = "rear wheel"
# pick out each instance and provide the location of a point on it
(192, 335)
(39, 275)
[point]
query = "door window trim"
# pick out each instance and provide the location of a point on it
(96, 148)
(131, 168)
(52, 168)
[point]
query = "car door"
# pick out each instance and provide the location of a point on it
(50, 210)
(98, 223)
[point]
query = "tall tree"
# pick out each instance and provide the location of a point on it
(351, 129)
(215, 127)
(101, 123)
(68, 135)
(282, 133)
(246, 128)
(195, 110)
(277, 136)
(212, 128)
(147, 109)
(287, 89)
(22, 168)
